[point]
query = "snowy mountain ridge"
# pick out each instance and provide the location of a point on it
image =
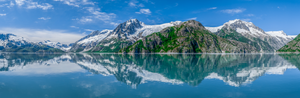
(123, 35)
(7, 40)
(280, 34)
(13, 39)
(134, 28)
(276, 39)
(88, 42)
(57, 45)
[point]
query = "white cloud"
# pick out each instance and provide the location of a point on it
(6, 4)
(20, 2)
(101, 15)
(32, 5)
(2, 14)
(44, 6)
(38, 35)
(141, 5)
(233, 11)
(134, 3)
(192, 18)
(96, 14)
(85, 19)
(249, 15)
(89, 30)
(76, 3)
(212, 8)
(43, 18)
(11, 4)
(113, 23)
(2, 5)
(248, 20)
(144, 11)
(74, 27)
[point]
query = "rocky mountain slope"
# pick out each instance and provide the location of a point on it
(13, 43)
(188, 37)
(259, 44)
(126, 34)
(253, 33)
(292, 46)
(89, 41)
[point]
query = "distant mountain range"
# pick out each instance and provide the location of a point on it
(133, 36)
(13, 43)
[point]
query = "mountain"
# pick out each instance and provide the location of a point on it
(57, 45)
(292, 46)
(89, 41)
(255, 34)
(127, 33)
(232, 34)
(188, 37)
(13, 43)
(281, 36)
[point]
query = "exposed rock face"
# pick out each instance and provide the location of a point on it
(126, 34)
(253, 33)
(89, 41)
(188, 37)
(292, 46)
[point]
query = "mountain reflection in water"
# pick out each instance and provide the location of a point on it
(192, 69)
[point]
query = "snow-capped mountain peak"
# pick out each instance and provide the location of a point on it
(135, 22)
(239, 25)
(128, 33)
(134, 28)
(16, 38)
(13, 39)
(275, 39)
(176, 22)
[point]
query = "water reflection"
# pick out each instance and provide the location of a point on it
(192, 69)
(36, 64)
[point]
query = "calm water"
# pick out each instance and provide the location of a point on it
(149, 76)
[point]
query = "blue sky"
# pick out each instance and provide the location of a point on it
(69, 20)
